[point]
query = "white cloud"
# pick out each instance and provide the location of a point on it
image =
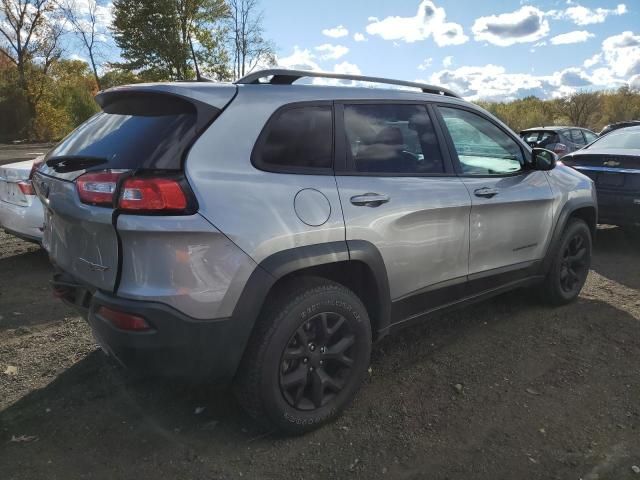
(426, 63)
(429, 21)
(587, 16)
(336, 32)
(577, 36)
(490, 82)
(494, 82)
(522, 26)
(592, 61)
(622, 54)
(359, 37)
(347, 68)
(332, 52)
(299, 60)
(447, 61)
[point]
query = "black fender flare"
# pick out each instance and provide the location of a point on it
(568, 209)
(292, 260)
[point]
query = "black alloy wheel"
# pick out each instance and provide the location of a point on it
(317, 362)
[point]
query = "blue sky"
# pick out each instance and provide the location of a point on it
(497, 49)
(483, 49)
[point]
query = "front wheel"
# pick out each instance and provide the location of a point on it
(307, 358)
(570, 265)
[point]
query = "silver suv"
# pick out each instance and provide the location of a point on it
(267, 233)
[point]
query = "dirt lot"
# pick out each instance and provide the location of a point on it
(546, 394)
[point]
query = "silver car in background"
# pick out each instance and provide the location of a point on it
(21, 211)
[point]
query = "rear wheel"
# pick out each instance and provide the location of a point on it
(307, 358)
(570, 265)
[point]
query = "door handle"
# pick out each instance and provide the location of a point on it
(486, 192)
(369, 200)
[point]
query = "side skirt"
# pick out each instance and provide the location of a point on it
(463, 291)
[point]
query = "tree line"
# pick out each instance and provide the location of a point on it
(587, 109)
(44, 94)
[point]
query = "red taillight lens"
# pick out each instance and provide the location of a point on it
(26, 187)
(152, 194)
(123, 320)
(97, 188)
(559, 148)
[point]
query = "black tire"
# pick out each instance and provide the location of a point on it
(570, 265)
(282, 393)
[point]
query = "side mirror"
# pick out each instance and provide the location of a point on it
(543, 159)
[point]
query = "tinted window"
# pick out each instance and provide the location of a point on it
(134, 132)
(392, 139)
(576, 137)
(623, 138)
(300, 137)
(482, 147)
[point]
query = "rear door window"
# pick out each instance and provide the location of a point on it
(297, 139)
(392, 139)
(132, 132)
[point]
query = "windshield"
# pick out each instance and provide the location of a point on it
(625, 139)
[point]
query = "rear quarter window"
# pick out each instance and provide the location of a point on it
(297, 139)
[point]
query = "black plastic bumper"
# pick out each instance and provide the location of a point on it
(175, 346)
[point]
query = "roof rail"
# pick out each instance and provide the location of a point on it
(287, 77)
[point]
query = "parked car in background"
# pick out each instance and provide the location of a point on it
(618, 125)
(20, 209)
(613, 162)
(560, 140)
(275, 262)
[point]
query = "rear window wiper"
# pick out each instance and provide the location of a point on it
(73, 164)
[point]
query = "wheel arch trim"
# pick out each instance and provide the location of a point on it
(298, 259)
(567, 212)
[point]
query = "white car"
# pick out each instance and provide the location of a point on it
(21, 212)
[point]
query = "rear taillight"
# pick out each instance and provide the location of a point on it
(559, 148)
(26, 187)
(152, 195)
(145, 194)
(98, 188)
(124, 320)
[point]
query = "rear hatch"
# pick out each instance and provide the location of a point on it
(15, 184)
(143, 132)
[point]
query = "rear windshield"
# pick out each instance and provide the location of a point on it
(626, 139)
(540, 138)
(145, 131)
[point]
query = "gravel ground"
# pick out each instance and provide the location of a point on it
(542, 393)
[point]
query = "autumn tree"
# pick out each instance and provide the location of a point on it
(171, 39)
(30, 38)
(579, 108)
